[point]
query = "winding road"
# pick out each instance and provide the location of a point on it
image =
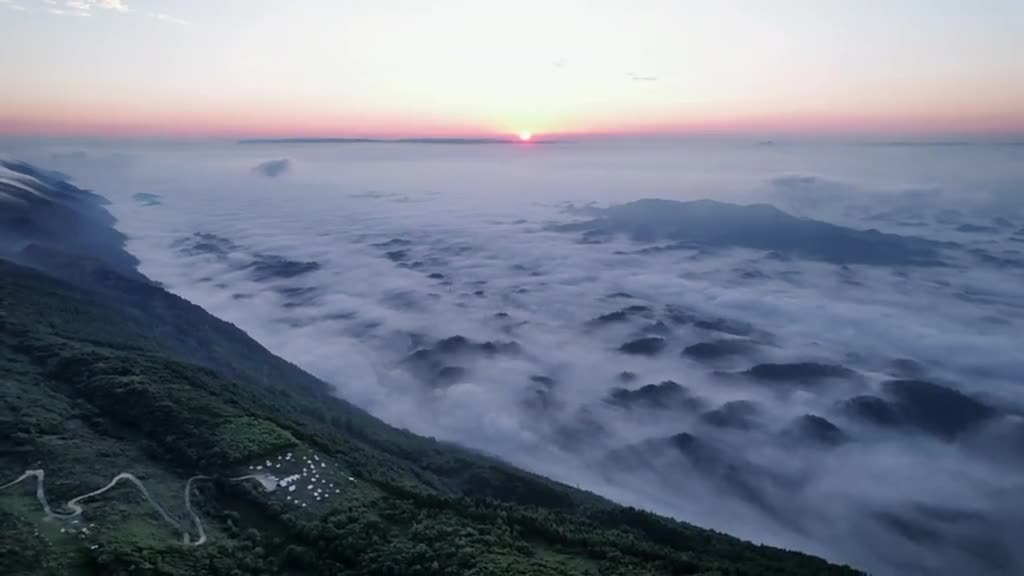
(76, 508)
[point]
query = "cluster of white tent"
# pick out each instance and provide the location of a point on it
(308, 479)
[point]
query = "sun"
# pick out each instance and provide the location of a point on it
(525, 135)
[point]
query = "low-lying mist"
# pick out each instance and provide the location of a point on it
(851, 393)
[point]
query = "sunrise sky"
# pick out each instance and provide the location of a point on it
(479, 67)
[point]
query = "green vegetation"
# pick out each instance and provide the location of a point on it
(244, 438)
(118, 375)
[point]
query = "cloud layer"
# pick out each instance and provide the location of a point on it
(867, 412)
(88, 8)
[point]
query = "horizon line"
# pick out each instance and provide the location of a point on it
(1015, 138)
(406, 140)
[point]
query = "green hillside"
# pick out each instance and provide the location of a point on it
(88, 393)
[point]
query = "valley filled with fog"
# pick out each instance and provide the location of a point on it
(815, 346)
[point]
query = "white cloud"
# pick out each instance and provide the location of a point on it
(89, 7)
(112, 5)
(168, 18)
(85, 7)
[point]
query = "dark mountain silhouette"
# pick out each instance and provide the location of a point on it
(759, 226)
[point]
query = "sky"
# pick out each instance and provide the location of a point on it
(486, 68)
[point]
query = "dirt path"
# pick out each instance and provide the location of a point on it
(195, 517)
(267, 481)
(76, 508)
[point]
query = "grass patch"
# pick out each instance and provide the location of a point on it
(245, 438)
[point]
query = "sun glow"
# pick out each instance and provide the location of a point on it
(525, 135)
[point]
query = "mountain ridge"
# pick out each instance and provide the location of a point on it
(710, 223)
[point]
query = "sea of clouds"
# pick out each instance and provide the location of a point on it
(361, 263)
